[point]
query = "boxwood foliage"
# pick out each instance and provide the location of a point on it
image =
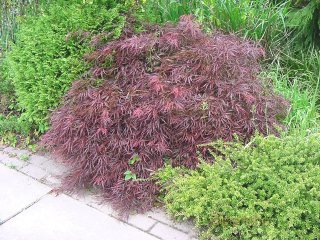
(268, 189)
(47, 56)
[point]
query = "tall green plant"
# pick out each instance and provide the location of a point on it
(258, 20)
(11, 12)
(48, 54)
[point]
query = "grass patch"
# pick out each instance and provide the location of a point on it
(303, 116)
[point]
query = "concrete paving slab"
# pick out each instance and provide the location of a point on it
(17, 192)
(104, 208)
(65, 218)
(141, 221)
(16, 151)
(3, 156)
(52, 181)
(92, 199)
(34, 171)
(48, 164)
(37, 160)
(88, 197)
(11, 162)
(160, 215)
(54, 167)
(166, 232)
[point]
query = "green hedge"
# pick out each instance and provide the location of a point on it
(268, 189)
(49, 51)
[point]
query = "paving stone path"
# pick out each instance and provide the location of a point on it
(29, 210)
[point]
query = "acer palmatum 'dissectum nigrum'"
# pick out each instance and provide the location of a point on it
(156, 96)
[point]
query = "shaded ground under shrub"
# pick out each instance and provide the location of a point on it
(268, 189)
(156, 96)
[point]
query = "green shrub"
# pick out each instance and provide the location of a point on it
(13, 124)
(268, 189)
(13, 129)
(48, 54)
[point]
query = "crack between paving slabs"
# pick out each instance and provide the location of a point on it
(170, 225)
(25, 208)
(26, 174)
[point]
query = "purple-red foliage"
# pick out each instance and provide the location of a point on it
(158, 95)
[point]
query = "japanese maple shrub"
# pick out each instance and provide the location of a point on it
(155, 96)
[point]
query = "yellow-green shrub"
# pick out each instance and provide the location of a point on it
(268, 189)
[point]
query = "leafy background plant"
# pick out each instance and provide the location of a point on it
(305, 21)
(13, 130)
